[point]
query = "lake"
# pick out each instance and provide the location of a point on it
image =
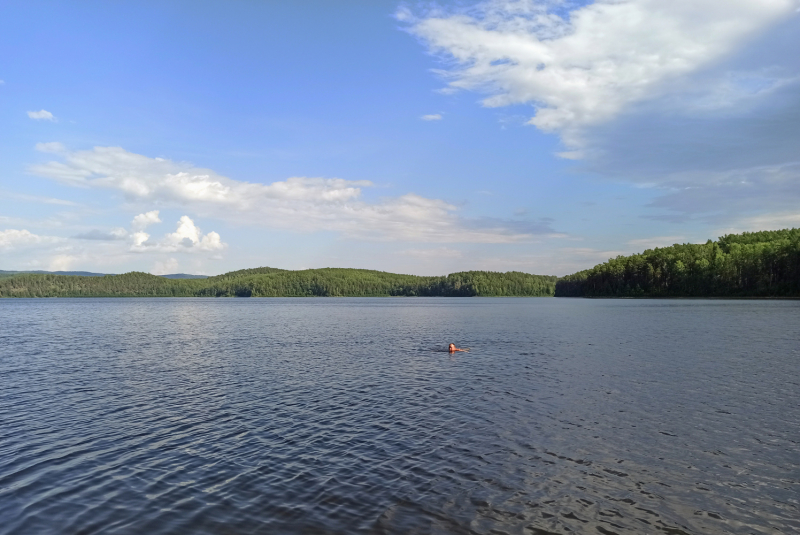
(339, 415)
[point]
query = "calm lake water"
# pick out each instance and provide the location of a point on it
(334, 415)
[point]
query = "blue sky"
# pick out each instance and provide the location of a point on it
(543, 137)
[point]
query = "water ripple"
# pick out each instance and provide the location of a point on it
(335, 416)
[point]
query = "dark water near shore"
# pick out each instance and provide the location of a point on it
(334, 416)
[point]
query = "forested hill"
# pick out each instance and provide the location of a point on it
(271, 282)
(752, 264)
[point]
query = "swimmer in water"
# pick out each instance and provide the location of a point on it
(452, 349)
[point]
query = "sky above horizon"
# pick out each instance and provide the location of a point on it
(537, 136)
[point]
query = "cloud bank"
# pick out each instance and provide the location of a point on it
(583, 67)
(114, 246)
(697, 100)
(299, 203)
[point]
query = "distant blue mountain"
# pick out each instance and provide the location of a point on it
(74, 273)
(90, 274)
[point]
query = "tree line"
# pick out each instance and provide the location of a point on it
(751, 264)
(272, 282)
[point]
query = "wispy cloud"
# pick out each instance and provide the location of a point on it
(432, 117)
(774, 221)
(38, 199)
(657, 241)
(117, 233)
(41, 115)
(300, 204)
(729, 196)
(53, 147)
(438, 252)
(18, 239)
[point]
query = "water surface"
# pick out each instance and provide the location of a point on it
(335, 416)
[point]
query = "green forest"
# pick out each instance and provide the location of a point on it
(752, 264)
(271, 282)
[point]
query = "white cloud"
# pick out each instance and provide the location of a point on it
(53, 147)
(432, 117)
(165, 267)
(584, 69)
(62, 262)
(188, 235)
(138, 240)
(298, 204)
(41, 115)
(186, 238)
(118, 233)
(16, 239)
(141, 221)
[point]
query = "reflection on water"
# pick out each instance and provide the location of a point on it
(334, 416)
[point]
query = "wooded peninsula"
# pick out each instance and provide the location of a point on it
(752, 264)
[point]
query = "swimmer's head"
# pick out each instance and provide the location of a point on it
(452, 346)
